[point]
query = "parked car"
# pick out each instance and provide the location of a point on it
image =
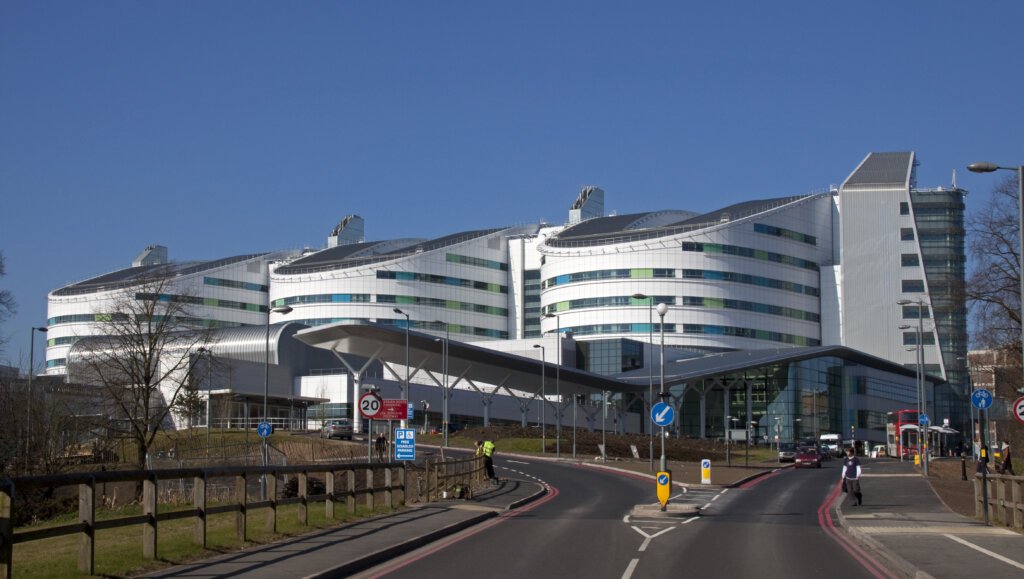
(337, 428)
(787, 452)
(807, 456)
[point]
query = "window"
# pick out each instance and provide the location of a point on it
(904, 208)
(906, 234)
(913, 286)
(909, 260)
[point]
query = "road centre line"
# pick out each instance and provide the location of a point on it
(630, 568)
(516, 461)
(985, 551)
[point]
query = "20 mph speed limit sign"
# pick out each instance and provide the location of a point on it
(370, 405)
(1018, 409)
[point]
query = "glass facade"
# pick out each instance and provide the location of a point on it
(796, 400)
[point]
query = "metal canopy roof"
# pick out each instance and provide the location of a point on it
(477, 364)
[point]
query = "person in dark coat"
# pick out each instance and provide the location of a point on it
(851, 476)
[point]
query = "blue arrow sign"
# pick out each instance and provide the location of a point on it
(981, 399)
(924, 420)
(264, 429)
(663, 479)
(662, 414)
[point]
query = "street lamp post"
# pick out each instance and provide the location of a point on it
(543, 401)
(922, 400)
(751, 428)
(650, 366)
(728, 439)
(28, 401)
(444, 389)
(209, 394)
(662, 310)
(283, 310)
(405, 389)
(989, 168)
(558, 385)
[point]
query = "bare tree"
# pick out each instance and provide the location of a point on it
(142, 361)
(993, 287)
(7, 304)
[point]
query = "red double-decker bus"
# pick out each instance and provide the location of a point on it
(902, 433)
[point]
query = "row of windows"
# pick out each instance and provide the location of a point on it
(760, 308)
(120, 317)
(56, 363)
(255, 287)
(714, 275)
(441, 279)
(705, 329)
(911, 312)
(708, 329)
(201, 301)
(751, 253)
(322, 299)
(477, 261)
(785, 233)
(413, 324)
(608, 302)
(63, 341)
(603, 274)
(446, 304)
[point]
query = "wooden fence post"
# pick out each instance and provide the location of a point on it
(329, 503)
(389, 495)
(350, 500)
(369, 488)
(199, 501)
(241, 497)
(87, 517)
(6, 530)
(303, 495)
(272, 497)
(149, 509)
(1018, 508)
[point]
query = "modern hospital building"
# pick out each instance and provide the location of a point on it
(787, 316)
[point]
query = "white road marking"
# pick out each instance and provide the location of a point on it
(690, 520)
(517, 462)
(647, 539)
(630, 568)
(986, 551)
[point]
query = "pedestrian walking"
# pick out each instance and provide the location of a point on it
(382, 447)
(1007, 462)
(851, 476)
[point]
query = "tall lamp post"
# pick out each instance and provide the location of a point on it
(650, 365)
(922, 400)
(28, 401)
(405, 389)
(989, 168)
(558, 385)
(444, 397)
(209, 394)
(543, 401)
(730, 424)
(662, 310)
(283, 310)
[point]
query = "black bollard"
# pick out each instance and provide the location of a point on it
(963, 466)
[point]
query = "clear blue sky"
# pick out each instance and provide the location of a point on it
(219, 128)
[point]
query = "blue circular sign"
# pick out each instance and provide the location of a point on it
(924, 420)
(663, 479)
(264, 429)
(981, 399)
(705, 463)
(662, 414)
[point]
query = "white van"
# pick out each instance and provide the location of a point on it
(831, 442)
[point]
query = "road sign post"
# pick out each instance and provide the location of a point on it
(705, 471)
(664, 480)
(663, 414)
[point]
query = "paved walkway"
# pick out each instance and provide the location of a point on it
(902, 522)
(345, 550)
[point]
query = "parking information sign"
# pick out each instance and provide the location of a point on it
(405, 444)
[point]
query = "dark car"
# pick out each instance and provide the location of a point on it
(337, 428)
(807, 456)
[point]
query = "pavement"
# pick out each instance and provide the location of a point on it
(907, 527)
(902, 524)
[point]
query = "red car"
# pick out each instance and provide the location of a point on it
(807, 457)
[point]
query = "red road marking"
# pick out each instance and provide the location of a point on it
(445, 543)
(866, 560)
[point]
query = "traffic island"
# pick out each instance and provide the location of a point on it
(672, 510)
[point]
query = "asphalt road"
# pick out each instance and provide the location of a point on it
(582, 528)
